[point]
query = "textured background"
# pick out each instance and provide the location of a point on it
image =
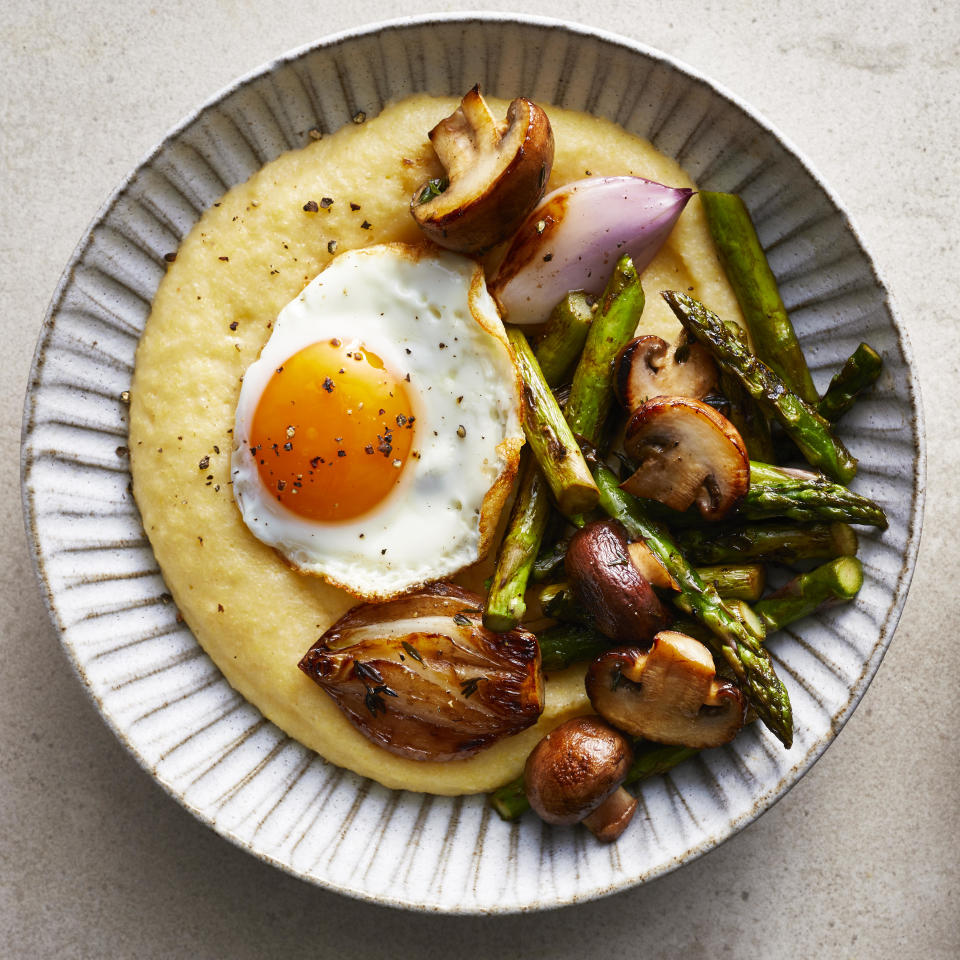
(859, 860)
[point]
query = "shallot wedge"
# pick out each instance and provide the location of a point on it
(576, 234)
(423, 678)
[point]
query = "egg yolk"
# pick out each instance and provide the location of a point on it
(332, 432)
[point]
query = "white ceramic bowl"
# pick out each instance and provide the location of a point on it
(167, 701)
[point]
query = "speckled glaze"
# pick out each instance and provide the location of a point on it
(162, 695)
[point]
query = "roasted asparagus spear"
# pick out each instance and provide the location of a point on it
(811, 433)
(805, 497)
(833, 582)
(859, 372)
(618, 314)
(777, 542)
(549, 436)
(755, 286)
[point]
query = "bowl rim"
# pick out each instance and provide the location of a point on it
(482, 18)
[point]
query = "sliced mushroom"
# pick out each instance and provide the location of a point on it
(496, 174)
(686, 453)
(648, 367)
(620, 601)
(574, 774)
(649, 565)
(670, 695)
(423, 678)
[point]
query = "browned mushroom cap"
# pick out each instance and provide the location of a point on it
(686, 453)
(620, 601)
(575, 774)
(496, 174)
(670, 695)
(647, 367)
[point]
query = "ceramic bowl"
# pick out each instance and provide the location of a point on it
(166, 700)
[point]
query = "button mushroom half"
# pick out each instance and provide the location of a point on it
(650, 367)
(575, 774)
(496, 174)
(686, 453)
(671, 694)
(620, 601)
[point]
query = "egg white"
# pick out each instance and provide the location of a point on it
(401, 302)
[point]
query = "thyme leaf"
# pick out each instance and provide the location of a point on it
(366, 671)
(374, 702)
(412, 650)
(433, 188)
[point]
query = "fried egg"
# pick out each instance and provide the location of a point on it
(378, 432)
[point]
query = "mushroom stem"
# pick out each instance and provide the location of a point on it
(612, 817)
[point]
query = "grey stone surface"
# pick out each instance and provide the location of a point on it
(859, 860)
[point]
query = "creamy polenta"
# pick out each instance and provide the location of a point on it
(245, 259)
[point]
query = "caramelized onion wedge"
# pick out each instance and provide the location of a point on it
(670, 695)
(423, 678)
(649, 367)
(575, 236)
(496, 173)
(686, 453)
(574, 774)
(608, 586)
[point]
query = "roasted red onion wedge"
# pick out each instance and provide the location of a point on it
(670, 694)
(576, 234)
(423, 678)
(686, 453)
